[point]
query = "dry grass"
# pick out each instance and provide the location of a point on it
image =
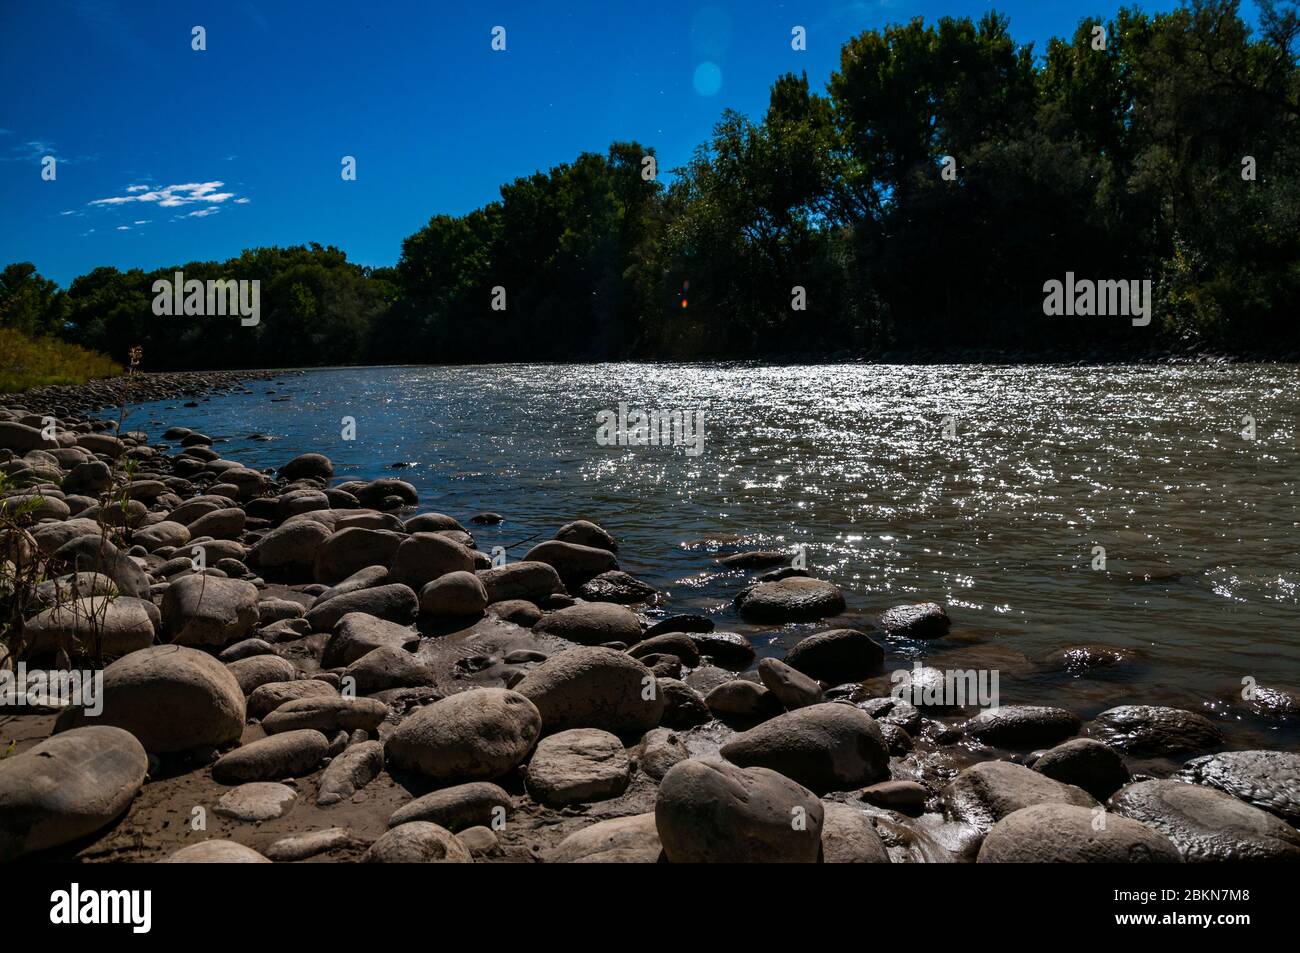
(27, 362)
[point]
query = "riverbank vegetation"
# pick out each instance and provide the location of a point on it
(28, 362)
(921, 201)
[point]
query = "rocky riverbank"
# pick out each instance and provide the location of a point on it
(298, 668)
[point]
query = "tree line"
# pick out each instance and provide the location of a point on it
(918, 205)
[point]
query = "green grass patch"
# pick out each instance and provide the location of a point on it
(27, 362)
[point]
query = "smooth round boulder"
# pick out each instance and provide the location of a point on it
(1155, 730)
(92, 626)
(916, 620)
(586, 533)
(573, 562)
(837, 656)
(307, 466)
(256, 801)
(292, 754)
(533, 581)
(715, 812)
(1269, 780)
(796, 599)
(216, 851)
(1068, 834)
(1086, 763)
(349, 772)
(1206, 825)
(457, 595)
(354, 548)
(577, 766)
(326, 713)
(393, 602)
(458, 807)
(267, 698)
(207, 610)
(66, 787)
(984, 793)
(171, 698)
(825, 747)
(619, 840)
(592, 623)
(1022, 726)
(792, 688)
(848, 837)
(257, 670)
(477, 735)
(356, 634)
(593, 687)
(290, 546)
(417, 842)
(389, 666)
(423, 557)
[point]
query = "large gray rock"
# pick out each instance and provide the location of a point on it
(619, 840)
(219, 524)
(292, 754)
(478, 803)
(256, 801)
(592, 687)
(476, 735)
(290, 547)
(577, 766)
(457, 595)
(1207, 825)
(533, 581)
(1023, 726)
(586, 533)
(1269, 780)
(258, 670)
(208, 610)
(848, 837)
(96, 553)
(216, 851)
(389, 666)
(574, 563)
(267, 698)
(357, 634)
(393, 603)
(916, 620)
(171, 698)
(796, 599)
(792, 688)
(657, 751)
(113, 626)
(1086, 763)
(826, 747)
(1068, 834)
(351, 771)
(837, 656)
(1154, 730)
(424, 557)
(354, 548)
(307, 466)
(418, 842)
(66, 787)
(709, 812)
(984, 793)
(326, 713)
(592, 623)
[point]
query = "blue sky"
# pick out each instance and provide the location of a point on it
(168, 155)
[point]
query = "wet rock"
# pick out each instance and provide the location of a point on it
(1086, 763)
(457, 808)
(681, 623)
(797, 599)
(307, 466)
(983, 794)
(216, 851)
(657, 751)
(620, 840)
(1022, 726)
(519, 611)
(849, 838)
(719, 813)
(918, 620)
(586, 533)
(391, 493)
(171, 698)
(487, 519)
(726, 649)
(203, 610)
(826, 747)
(1080, 660)
(1207, 825)
(424, 557)
(367, 578)
(292, 754)
(616, 586)
(393, 603)
(592, 623)
(593, 687)
(326, 713)
(249, 648)
(757, 559)
(349, 772)
(838, 655)
(357, 634)
(1268, 780)
(257, 801)
(1067, 834)
(533, 581)
(480, 841)
(577, 766)
(574, 563)
(792, 689)
(1153, 730)
(906, 797)
(418, 842)
(454, 595)
(67, 787)
(291, 547)
(678, 644)
(476, 735)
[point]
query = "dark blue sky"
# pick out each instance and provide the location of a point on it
(168, 155)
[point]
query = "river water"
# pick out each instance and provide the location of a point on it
(983, 487)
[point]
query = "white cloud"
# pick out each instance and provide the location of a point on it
(242, 201)
(203, 212)
(171, 196)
